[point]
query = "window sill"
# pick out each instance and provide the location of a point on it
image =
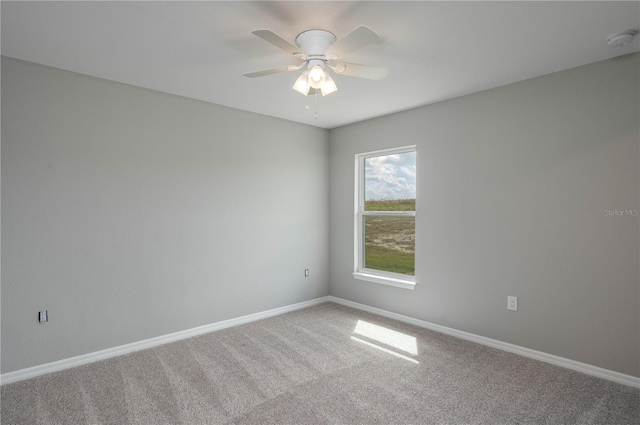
(391, 281)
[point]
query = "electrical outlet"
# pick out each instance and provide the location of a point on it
(512, 303)
(306, 272)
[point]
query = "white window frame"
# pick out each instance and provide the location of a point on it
(360, 272)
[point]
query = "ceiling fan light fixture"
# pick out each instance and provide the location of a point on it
(329, 86)
(302, 84)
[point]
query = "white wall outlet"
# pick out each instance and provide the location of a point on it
(306, 272)
(512, 303)
(43, 317)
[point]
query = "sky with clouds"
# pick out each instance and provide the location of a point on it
(390, 177)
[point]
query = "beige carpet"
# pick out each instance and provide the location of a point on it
(326, 364)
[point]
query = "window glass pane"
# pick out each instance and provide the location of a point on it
(390, 182)
(389, 243)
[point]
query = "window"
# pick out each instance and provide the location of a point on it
(385, 218)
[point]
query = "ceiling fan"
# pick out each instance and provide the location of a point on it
(317, 49)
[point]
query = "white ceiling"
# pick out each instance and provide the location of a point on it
(435, 50)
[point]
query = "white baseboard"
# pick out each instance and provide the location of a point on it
(34, 371)
(599, 372)
(31, 372)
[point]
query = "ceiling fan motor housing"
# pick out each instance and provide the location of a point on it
(314, 42)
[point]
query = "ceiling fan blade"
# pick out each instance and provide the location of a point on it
(278, 41)
(361, 71)
(271, 71)
(351, 42)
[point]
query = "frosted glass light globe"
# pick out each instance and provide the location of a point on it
(316, 76)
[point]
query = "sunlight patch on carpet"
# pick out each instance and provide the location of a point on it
(387, 336)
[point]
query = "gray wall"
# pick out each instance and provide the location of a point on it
(129, 213)
(513, 184)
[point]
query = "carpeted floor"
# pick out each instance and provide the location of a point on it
(326, 364)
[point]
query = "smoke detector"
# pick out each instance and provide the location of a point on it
(620, 39)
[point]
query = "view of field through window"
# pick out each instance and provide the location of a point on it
(390, 190)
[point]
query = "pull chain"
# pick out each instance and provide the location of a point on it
(315, 106)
